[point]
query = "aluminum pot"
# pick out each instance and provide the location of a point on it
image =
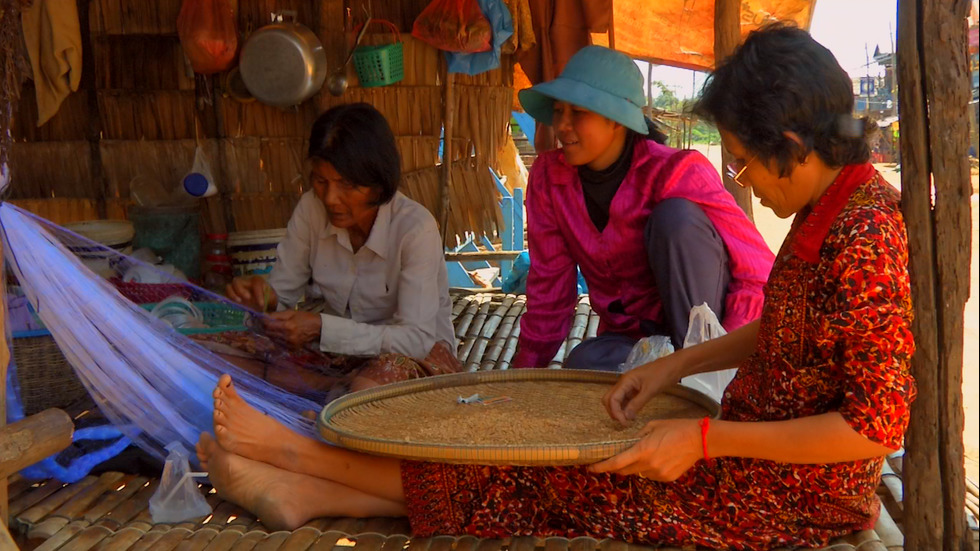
(283, 64)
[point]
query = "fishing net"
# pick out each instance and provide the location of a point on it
(147, 347)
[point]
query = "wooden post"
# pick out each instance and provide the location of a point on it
(100, 183)
(331, 17)
(933, 95)
(32, 439)
(649, 108)
(6, 540)
(728, 33)
(4, 362)
(448, 115)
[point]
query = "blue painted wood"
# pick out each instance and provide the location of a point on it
(518, 220)
(527, 124)
(458, 276)
(507, 235)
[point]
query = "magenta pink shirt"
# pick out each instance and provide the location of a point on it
(614, 262)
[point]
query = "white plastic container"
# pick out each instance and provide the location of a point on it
(115, 234)
(254, 252)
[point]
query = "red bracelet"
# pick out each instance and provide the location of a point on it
(705, 424)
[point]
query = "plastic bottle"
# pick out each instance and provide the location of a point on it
(216, 265)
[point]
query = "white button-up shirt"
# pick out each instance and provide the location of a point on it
(392, 295)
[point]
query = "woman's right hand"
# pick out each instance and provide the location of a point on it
(253, 292)
(635, 387)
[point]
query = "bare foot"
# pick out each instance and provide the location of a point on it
(202, 455)
(261, 489)
(245, 431)
(285, 500)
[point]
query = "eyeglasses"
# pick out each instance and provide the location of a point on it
(733, 172)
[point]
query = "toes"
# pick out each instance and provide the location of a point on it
(220, 419)
(205, 443)
(224, 381)
(230, 391)
(222, 434)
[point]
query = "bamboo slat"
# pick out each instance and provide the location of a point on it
(122, 514)
(126, 488)
(889, 532)
(52, 169)
(70, 123)
(40, 510)
(33, 496)
(261, 211)
(253, 14)
(73, 508)
(121, 62)
(402, 14)
(134, 17)
(60, 210)
(153, 115)
(17, 485)
(260, 120)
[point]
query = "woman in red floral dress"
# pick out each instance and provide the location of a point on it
(822, 392)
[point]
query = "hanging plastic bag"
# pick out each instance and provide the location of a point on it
(208, 34)
(500, 20)
(704, 326)
(177, 497)
(454, 26)
(647, 350)
(199, 182)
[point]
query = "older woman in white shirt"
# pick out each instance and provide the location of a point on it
(374, 255)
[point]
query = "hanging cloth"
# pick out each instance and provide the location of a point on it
(54, 44)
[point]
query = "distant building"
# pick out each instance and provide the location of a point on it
(874, 96)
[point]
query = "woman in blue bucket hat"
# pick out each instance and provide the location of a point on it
(652, 228)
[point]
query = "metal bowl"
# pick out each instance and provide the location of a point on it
(283, 64)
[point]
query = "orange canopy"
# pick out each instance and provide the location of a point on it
(681, 33)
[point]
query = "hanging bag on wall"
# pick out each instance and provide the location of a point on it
(454, 26)
(208, 34)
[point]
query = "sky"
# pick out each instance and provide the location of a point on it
(843, 26)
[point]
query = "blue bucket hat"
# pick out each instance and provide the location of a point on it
(601, 80)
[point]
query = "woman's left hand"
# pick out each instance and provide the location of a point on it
(666, 450)
(295, 327)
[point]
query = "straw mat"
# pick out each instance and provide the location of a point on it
(516, 417)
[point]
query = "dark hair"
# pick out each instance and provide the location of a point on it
(782, 79)
(355, 138)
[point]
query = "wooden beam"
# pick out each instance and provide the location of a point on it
(933, 95)
(7, 542)
(4, 362)
(728, 34)
(448, 117)
(32, 439)
(88, 86)
(948, 91)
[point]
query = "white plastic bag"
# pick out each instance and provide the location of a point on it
(177, 497)
(647, 350)
(704, 326)
(199, 182)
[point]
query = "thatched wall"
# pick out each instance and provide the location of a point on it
(139, 113)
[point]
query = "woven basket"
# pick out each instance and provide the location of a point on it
(382, 64)
(218, 316)
(422, 420)
(46, 379)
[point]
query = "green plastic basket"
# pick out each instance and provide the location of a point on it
(380, 65)
(219, 318)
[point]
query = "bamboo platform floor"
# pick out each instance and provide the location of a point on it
(110, 511)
